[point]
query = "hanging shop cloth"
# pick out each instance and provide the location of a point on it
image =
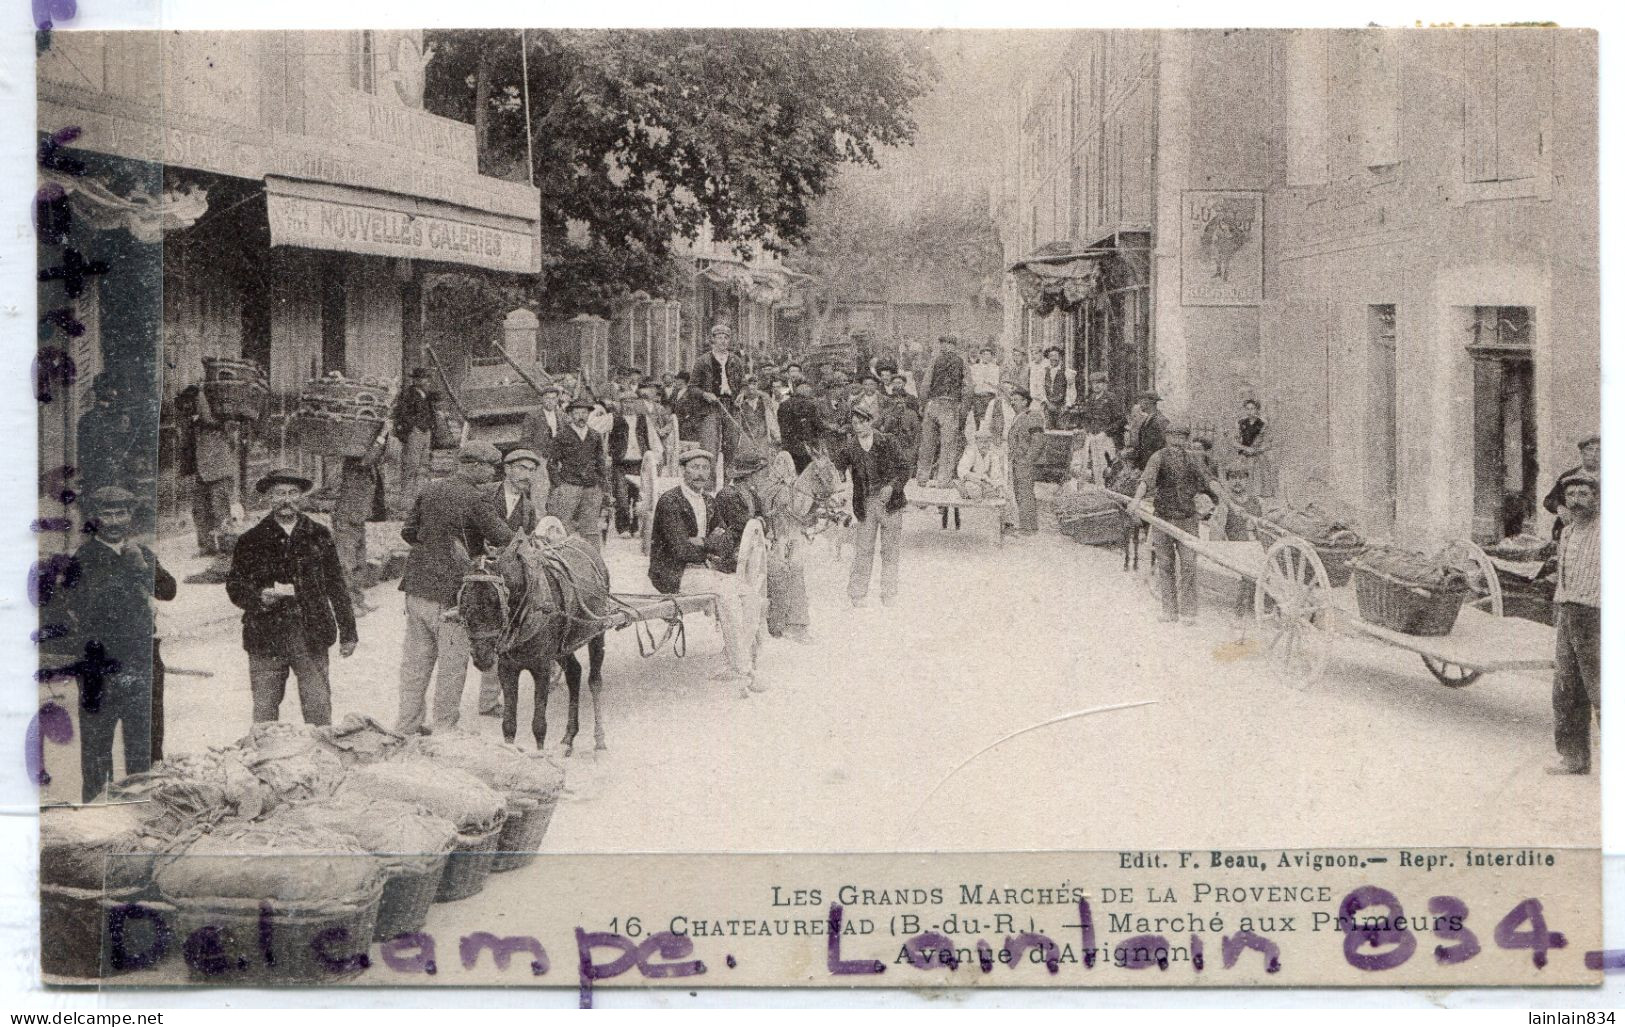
(1059, 276)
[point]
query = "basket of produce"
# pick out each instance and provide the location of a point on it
(236, 389)
(531, 782)
(340, 416)
(274, 902)
(1412, 592)
(292, 761)
(1335, 541)
(476, 810)
(1090, 516)
(200, 788)
(411, 843)
(360, 739)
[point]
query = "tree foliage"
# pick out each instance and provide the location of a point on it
(639, 138)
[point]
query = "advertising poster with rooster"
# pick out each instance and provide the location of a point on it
(1223, 252)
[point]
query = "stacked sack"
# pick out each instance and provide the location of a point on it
(325, 837)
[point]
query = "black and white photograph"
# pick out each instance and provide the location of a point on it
(465, 454)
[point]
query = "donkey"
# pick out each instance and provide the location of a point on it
(521, 629)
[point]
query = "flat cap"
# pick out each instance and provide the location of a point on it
(1590, 440)
(1581, 478)
(1097, 376)
(480, 452)
(696, 454)
(515, 455)
(111, 496)
(1151, 394)
(580, 402)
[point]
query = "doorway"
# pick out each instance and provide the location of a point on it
(1505, 468)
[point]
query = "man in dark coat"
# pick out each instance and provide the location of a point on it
(801, 425)
(685, 519)
(209, 456)
(452, 520)
(942, 433)
(900, 418)
(717, 378)
(510, 498)
(633, 436)
(1175, 474)
(108, 612)
(1146, 429)
(879, 476)
(579, 468)
(543, 424)
(414, 426)
(286, 577)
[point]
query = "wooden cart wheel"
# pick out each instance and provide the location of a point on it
(1293, 606)
(1454, 675)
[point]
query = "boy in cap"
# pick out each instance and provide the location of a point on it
(109, 613)
(286, 578)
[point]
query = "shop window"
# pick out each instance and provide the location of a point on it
(1508, 79)
(1505, 469)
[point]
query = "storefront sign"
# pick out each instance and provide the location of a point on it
(353, 228)
(1221, 260)
(351, 114)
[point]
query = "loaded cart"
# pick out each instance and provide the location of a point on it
(1457, 628)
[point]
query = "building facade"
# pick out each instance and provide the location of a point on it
(280, 197)
(1387, 237)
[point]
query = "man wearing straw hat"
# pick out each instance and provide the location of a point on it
(286, 578)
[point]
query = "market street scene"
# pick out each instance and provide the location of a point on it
(469, 445)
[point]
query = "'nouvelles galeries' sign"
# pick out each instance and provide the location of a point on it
(355, 228)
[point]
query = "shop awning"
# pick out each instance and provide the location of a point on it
(321, 216)
(1059, 276)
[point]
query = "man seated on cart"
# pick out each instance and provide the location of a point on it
(1178, 472)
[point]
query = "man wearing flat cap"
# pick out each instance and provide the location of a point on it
(1175, 474)
(453, 520)
(1145, 430)
(1100, 416)
(1577, 606)
(579, 468)
(286, 578)
(1024, 441)
(543, 424)
(109, 615)
(716, 379)
(510, 498)
(1590, 463)
(414, 425)
(879, 476)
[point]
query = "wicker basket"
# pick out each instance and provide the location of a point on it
(73, 939)
(1335, 558)
(407, 896)
(336, 435)
(225, 940)
(523, 832)
(238, 399)
(1400, 606)
(469, 864)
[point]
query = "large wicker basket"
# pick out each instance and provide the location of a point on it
(469, 865)
(408, 893)
(336, 434)
(523, 832)
(1405, 607)
(226, 939)
(1335, 558)
(74, 941)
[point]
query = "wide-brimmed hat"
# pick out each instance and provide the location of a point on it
(1590, 440)
(581, 403)
(283, 476)
(862, 413)
(515, 455)
(1581, 478)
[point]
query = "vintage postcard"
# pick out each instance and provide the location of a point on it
(718, 507)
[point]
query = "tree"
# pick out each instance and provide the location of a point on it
(862, 238)
(639, 138)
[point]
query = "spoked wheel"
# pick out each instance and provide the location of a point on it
(1293, 606)
(1454, 675)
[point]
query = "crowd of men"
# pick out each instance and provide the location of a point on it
(742, 444)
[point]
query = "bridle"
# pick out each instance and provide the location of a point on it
(507, 614)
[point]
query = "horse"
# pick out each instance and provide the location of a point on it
(531, 606)
(795, 508)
